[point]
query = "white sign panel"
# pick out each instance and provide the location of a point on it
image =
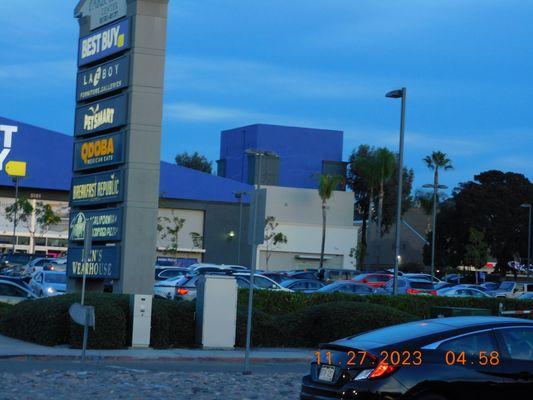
(101, 12)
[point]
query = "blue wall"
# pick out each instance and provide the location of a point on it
(301, 151)
(49, 158)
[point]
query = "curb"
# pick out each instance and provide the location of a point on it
(40, 357)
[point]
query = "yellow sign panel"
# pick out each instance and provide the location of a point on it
(16, 169)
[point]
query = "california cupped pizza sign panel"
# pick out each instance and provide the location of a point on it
(107, 224)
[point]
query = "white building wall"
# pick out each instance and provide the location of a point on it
(299, 215)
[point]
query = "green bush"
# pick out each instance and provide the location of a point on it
(4, 308)
(173, 324)
(266, 332)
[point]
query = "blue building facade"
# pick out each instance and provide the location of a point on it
(303, 152)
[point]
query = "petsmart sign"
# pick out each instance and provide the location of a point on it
(104, 42)
(103, 263)
(105, 187)
(101, 115)
(107, 224)
(104, 78)
(101, 151)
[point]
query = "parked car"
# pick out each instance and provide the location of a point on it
(35, 265)
(426, 277)
(459, 291)
(526, 296)
(453, 278)
(372, 279)
(11, 259)
(166, 288)
(490, 285)
(303, 275)
(506, 289)
(276, 276)
(262, 282)
(409, 286)
(14, 290)
(163, 273)
(338, 274)
(302, 285)
(457, 358)
(185, 287)
(49, 283)
(348, 287)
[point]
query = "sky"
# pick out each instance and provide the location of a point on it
(467, 66)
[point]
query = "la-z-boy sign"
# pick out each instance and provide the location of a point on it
(101, 151)
(103, 79)
(101, 115)
(104, 42)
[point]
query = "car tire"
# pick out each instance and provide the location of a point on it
(431, 396)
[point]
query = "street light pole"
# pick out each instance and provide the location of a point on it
(529, 206)
(239, 196)
(395, 94)
(16, 179)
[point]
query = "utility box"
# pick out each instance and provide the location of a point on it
(216, 311)
(141, 310)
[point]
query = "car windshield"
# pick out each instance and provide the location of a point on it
(55, 278)
(506, 286)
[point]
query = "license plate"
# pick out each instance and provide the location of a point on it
(326, 373)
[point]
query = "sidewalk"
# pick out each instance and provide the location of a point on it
(13, 348)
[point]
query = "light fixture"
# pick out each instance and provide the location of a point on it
(231, 234)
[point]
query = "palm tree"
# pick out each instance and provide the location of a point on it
(437, 160)
(326, 186)
(385, 162)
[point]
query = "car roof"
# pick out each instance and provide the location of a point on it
(428, 329)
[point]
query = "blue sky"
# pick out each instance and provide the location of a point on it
(467, 66)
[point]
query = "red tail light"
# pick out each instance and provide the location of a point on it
(433, 292)
(182, 291)
(413, 291)
(383, 369)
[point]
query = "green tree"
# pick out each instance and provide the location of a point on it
(476, 249)
(195, 161)
(45, 217)
(326, 185)
(272, 238)
(169, 228)
(370, 183)
(490, 204)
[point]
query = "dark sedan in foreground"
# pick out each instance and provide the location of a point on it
(474, 358)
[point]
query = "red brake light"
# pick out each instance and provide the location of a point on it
(433, 292)
(181, 291)
(413, 291)
(383, 369)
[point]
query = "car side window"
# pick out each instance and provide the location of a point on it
(243, 284)
(7, 289)
(299, 285)
(470, 344)
(313, 285)
(518, 343)
(263, 283)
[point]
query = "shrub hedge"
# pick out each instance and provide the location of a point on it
(280, 319)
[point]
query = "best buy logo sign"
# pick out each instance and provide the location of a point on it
(7, 131)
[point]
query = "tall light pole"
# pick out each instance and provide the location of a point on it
(528, 205)
(239, 195)
(16, 170)
(435, 186)
(399, 94)
(258, 154)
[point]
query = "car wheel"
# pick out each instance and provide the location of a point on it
(431, 396)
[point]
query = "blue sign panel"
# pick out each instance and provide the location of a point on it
(103, 263)
(100, 151)
(104, 42)
(104, 78)
(107, 224)
(105, 187)
(101, 115)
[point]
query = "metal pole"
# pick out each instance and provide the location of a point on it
(239, 240)
(433, 230)
(528, 243)
(247, 370)
(86, 257)
(15, 213)
(400, 190)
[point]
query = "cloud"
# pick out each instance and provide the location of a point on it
(223, 75)
(44, 71)
(201, 113)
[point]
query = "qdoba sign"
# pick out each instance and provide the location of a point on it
(100, 151)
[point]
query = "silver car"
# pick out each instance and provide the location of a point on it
(13, 291)
(49, 283)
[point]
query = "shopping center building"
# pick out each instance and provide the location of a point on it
(212, 218)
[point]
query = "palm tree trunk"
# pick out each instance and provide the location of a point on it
(323, 235)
